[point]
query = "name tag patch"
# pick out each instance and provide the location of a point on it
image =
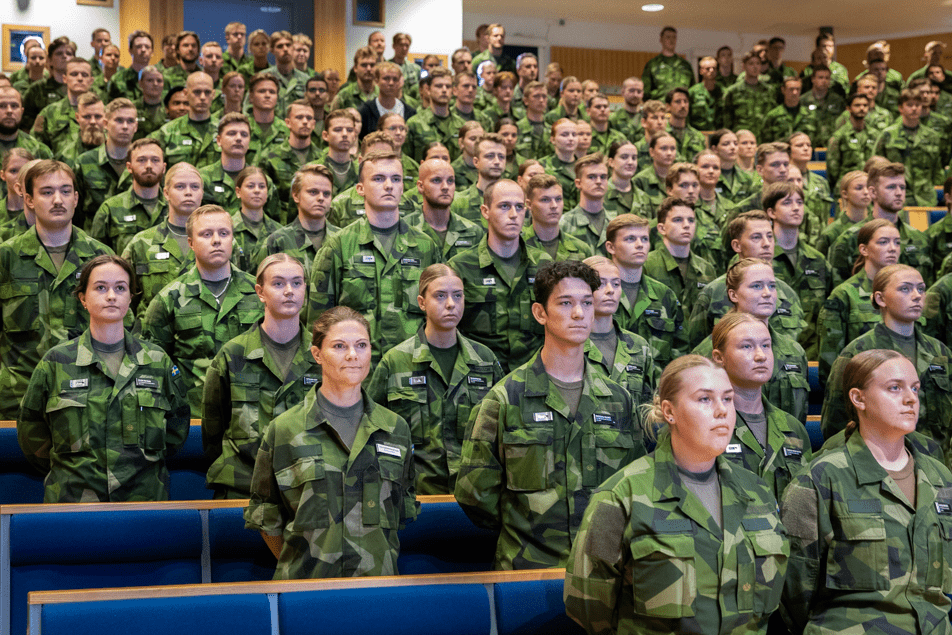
(936, 368)
(633, 368)
(410, 262)
(79, 383)
(219, 189)
(792, 367)
(392, 450)
(811, 272)
(463, 243)
(130, 218)
(603, 419)
(416, 380)
(370, 258)
(943, 508)
(652, 312)
(788, 452)
(539, 417)
(489, 282)
(162, 255)
(733, 448)
(783, 311)
(146, 382)
(186, 142)
(309, 381)
(476, 381)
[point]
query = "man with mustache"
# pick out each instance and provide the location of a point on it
(122, 216)
(91, 116)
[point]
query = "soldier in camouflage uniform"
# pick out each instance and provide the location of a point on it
(668, 69)
(899, 332)
(373, 265)
(627, 119)
(212, 303)
(56, 125)
(735, 184)
(38, 272)
(851, 145)
(11, 114)
(433, 386)
(191, 139)
(44, 92)
(267, 128)
(127, 82)
(674, 263)
(281, 160)
(533, 133)
(823, 106)
(250, 225)
(706, 97)
(101, 423)
(255, 377)
(851, 209)
(187, 49)
(333, 483)
(878, 117)
(665, 550)
(622, 197)
(436, 123)
(789, 117)
(354, 94)
(588, 220)
(544, 196)
(747, 102)
(875, 527)
(529, 462)
(917, 147)
(451, 232)
(690, 140)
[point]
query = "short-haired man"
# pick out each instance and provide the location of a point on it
(235, 35)
(291, 80)
(91, 117)
(823, 105)
(798, 264)
(211, 61)
(668, 69)
(176, 104)
(188, 46)
(648, 307)
(466, 173)
(826, 51)
(888, 185)
(465, 86)
(316, 94)
(497, 40)
(890, 80)
(213, 302)
(311, 191)
(878, 118)
(527, 71)
(389, 80)
(150, 111)
(917, 147)
(747, 101)
(218, 178)
(497, 274)
(653, 121)
(772, 163)
(750, 235)
(451, 233)
(34, 66)
(461, 60)
(932, 55)
(52, 89)
(302, 52)
(852, 145)
(790, 116)
(929, 94)
(340, 135)
(138, 208)
(373, 265)
(627, 119)
(169, 56)
(125, 83)
(940, 241)
(544, 196)
(533, 133)
(706, 97)
(673, 263)
(690, 141)
(603, 135)
(347, 205)
(38, 273)
(726, 76)
(266, 128)
(102, 172)
(364, 89)
(56, 125)
(409, 68)
(777, 71)
(11, 114)
(191, 139)
(490, 163)
(436, 123)
(533, 500)
(281, 161)
(588, 220)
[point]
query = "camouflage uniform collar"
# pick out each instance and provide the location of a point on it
(537, 381)
(487, 257)
(867, 469)
(254, 348)
(86, 356)
(313, 417)
(422, 355)
(241, 285)
(403, 240)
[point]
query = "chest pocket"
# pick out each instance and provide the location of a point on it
(530, 458)
(666, 586)
(20, 310)
(608, 450)
(303, 483)
(245, 407)
(480, 310)
(143, 419)
(858, 555)
(189, 335)
(383, 492)
(359, 286)
(476, 384)
(154, 266)
(940, 552)
(69, 423)
(411, 403)
(760, 574)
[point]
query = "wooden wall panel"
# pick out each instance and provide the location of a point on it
(607, 67)
(330, 36)
(158, 18)
(905, 53)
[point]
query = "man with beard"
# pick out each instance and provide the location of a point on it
(282, 160)
(627, 119)
(122, 216)
(43, 93)
(91, 116)
(690, 141)
(56, 124)
(291, 81)
(149, 108)
(451, 233)
(11, 113)
(490, 163)
(852, 145)
(125, 83)
(187, 47)
(191, 139)
(101, 172)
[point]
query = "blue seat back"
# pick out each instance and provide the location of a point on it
(444, 540)
(237, 554)
(533, 608)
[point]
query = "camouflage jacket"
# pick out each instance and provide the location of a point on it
(657, 316)
(425, 127)
(824, 114)
(938, 310)
(847, 313)
(630, 124)
(56, 125)
(779, 123)
(915, 252)
(248, 239)
(576, 223)
(818, 205)
(569, 247)
(37, 307)
(466, 204)
(352, 270)
(410, 382)
(738, 185)
(346, 207)
(149, 118)
(244, 390)
(662, 73)
(634, 201)
(38, 96)
(746, 106)
(157, 259)
(186, 320)
(350, 96)
(651, 560)
(861, 557)
(100, 438)
(690, 141)
(183, 142)
(603, 141)
(279, 161)
(292, 240)
(337, 509)
(920, 151)
(811, 278)
(565, 173)
(662, 267)
(261, 142)
(122, 216)
(218, 188)
(847, 150)
(841, 222)
(498, 312)
(705, 113)
(634, 368)
(533, 141)
(461, 234)
(96, 181)
(648, 181)
(528, 468)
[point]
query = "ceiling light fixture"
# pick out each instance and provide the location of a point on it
(651, 8)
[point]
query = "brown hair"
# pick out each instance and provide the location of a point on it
(314, 169)
(887, 170)
(865, 236)
(621, 222)
(724, 326)
(881, 281)
(204, 210)
(859, 370)
(274, 259)
(104, 259)
(776, 192)
(377, 136)
(42, 168)
(335, 315)
(540, 182)
(589, 160)
(233, 118)
(735, 229)
(669, 203)
(249, 170)
(736, 272)
(433, 272)
(676, 170)
(19, 153)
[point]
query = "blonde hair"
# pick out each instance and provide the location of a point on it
(669, 387)
(274, 259)
(881, 281)
(434, 272)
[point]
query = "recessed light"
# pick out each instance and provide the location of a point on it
(652, 7)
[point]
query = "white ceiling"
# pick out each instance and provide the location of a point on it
(851, 19)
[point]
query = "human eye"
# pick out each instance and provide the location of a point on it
(772, 286)
(362, 345)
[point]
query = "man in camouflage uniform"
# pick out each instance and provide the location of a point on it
(603, 136)
(235, 35)
(38, 272)
(749, 100)
(647, 307)
(52, 89)
(11, 114)
(588, 220)
(490, 163)
(533, 133)
(436, 123)
(878, 118)
(212, 303)
(56, 125)
(161, 253)
(851, 146)
(266, 128)
(627, 119)
(497, 277)
(888, 186)
(353, 95)
(673, 263)
(823, 106)
(192, 139)
(188, 46)
(150, 109)
(122, 216)
(281, 160)
(690, 141)
(544, 196)
(667, 70)
(529, 463)
(409, 68)
(340, 134)
(311, 192)
(789, 117)
(497, 40)
(373, 265)
(126, 81)
(706, 97)
(291, 80)
(917, 147)
(451, 232)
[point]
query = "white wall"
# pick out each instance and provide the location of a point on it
(65, 17)
(545, 33)
(435, 26)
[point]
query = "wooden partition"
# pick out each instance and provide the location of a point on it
(905, 53)
(608, 68)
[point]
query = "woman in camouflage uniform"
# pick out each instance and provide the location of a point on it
(621, 196)
(870, 522)
(853, 207)
(104, 411)
(682, 540)
(251, 225)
